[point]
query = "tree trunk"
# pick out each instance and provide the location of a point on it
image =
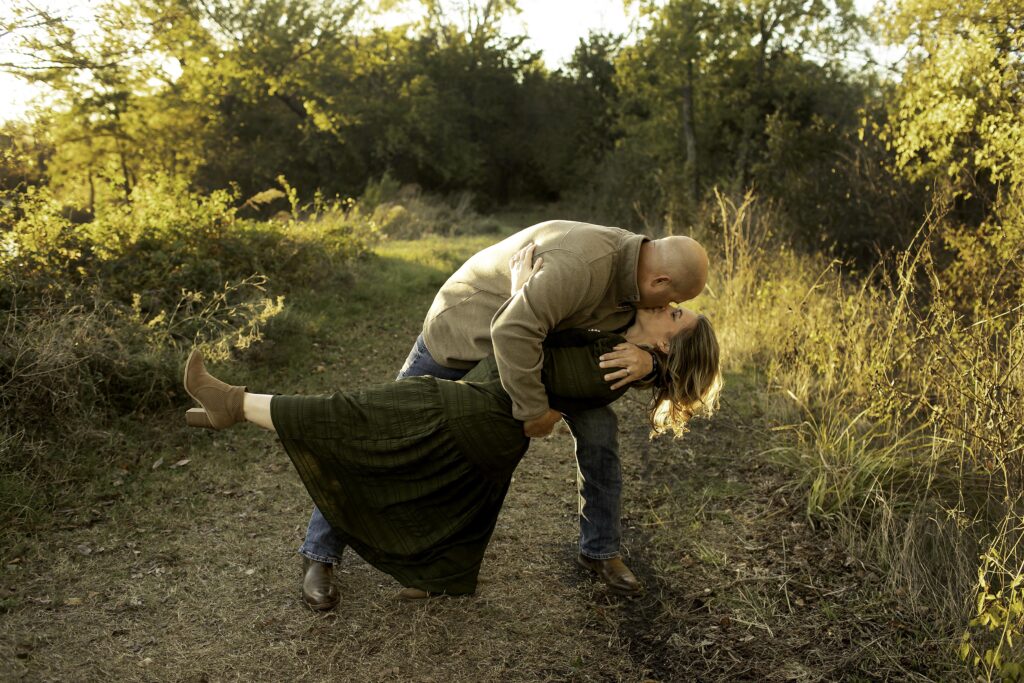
(92, 195)
(127, 176)
(690, 166)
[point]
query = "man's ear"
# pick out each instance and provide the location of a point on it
(660, 281)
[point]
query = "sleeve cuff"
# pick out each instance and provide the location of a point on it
(530, 416)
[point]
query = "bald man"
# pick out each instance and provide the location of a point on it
(593, 277)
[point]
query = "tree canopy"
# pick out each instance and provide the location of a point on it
(731, 94)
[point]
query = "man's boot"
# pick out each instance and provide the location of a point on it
(318, 589)
(612, 572)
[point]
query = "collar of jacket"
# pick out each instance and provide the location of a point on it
(627, 260)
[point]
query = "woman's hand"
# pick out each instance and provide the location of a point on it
(634, 363)
(523, 267)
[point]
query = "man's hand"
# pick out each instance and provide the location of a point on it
(634, 362)
(522, 266)
(541, 426)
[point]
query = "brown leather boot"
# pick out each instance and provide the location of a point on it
(222, 403)
(613, 572)
(318, 589)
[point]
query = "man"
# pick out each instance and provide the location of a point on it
(593, 277)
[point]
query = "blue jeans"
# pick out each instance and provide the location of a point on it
(599, 478)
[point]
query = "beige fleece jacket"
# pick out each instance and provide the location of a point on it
(588, 280)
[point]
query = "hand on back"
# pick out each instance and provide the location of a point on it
(522, 266)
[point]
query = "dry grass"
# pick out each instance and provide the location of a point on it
(900, 390)
(189, 573)
(748, 589)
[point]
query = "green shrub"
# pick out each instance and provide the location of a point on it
(170, 240)
(383, 190)
(96, 319)
(408, 214)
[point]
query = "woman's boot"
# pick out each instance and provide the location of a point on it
(222, 403)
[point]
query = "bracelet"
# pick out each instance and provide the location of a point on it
(654, 368)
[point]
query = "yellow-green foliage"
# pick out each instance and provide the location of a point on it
(958, 105)
(169, 240)
(406, 213)
(989, 266)
(988, 642)
(905, 397)
(95, 319)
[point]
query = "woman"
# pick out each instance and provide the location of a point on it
(412, 474)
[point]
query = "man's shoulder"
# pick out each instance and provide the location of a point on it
(587, 241)
(559, 228)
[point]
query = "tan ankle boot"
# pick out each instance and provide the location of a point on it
(412, 594)
(222, 403)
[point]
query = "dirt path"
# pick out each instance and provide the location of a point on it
(189, 572)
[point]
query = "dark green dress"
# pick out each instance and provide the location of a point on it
(412, 474)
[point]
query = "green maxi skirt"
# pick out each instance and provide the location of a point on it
(411, 474)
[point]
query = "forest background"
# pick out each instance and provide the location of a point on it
(200, 161)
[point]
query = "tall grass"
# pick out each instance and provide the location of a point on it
(405, 212)
(96, 318)
(903, 389)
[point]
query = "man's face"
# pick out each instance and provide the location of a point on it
(659, 292)
(654, 295)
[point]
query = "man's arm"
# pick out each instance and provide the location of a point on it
(557, 291)
(522, 267)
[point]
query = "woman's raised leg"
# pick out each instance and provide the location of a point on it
(257, 410)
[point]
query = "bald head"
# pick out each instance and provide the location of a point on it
(671, 269)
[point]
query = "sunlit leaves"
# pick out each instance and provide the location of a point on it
(959, 109)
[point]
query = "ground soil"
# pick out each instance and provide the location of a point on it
(183, 566)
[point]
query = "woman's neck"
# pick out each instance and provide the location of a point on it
(634, 335)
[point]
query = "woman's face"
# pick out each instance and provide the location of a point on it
(657, 326)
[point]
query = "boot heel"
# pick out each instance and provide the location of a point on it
(197, 417)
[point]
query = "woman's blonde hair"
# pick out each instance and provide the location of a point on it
(689, 380)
